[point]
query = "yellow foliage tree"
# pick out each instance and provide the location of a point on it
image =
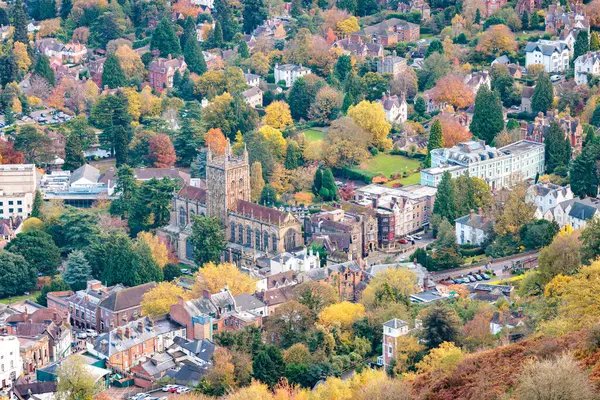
(32, 224)
(17, 106)
(158, 301)
(213, 277)
(442, 359)
(343, 314)
(149, 103)
(21, 57)
(34, 101)
(49, 27)
(408, 349)
(347, 26)
(130, 61)
(134, 104)
(274, 138)
(371, 117)
(497, 39)
(394, 285)
(278, 115)
(159, 250)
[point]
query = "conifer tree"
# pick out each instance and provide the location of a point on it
(65, 8)
(543, 94)
(582, 44)
(558, 148)
(243, 49)
(43, 69)
(188, 139)
(255, 13)
(525, 21)
(329, 186)
(583, 172)
(38, 202)
(77, 271)
(293, 155)
(445, 205)
(193, 56)
(113, 75)
(121, 142)
(595, 120)
(164, 39)
(299, 99)
(420, 106)
(488, 119)
(317, 182)
(436, 140)
(19, 16)
(224, 16)
(189, 32)
(148, 270)
(268, 196)
(73, 153)
(217, 35)
(477, 19)
(348, 102)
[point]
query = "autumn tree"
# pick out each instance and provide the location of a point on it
(216, 141)
(343, 314)
(158, 300)
(514, 213)
(214, 277)
(395, 285)
(277, 115)
(274, 140)
(346, 144)
(496, 40)
(162, 152)
(453, 90)
(371, 117)
(315, 295)
(561, 257)
(327, 105)
(442, 359)
(256, 181)
(75, 381)
(159, 250)
(129, 61)
(452, 130)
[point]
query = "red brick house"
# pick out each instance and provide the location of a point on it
(163, 70)
(121, 307)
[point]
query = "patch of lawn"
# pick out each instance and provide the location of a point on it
(313, 135)
(14, 299)
(388, 164)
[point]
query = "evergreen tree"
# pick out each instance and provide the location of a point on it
(189, 32)
(19, 16)
(534, 21)
(297, 9)
(595, 41)
(73, 153)
(257, 182)
(268, 196)
(120, 261)
(38, 203)
(420, 106)
(4, 21)
(171, 272)
(348, 5)
(193, 57)
(293, 155)
(57, 285)
(255, 13)
(268, 366)
(582, 44)
(348, 102)
(343, 66)
(113, 75)
(208, 240)
(126, 188)
(109, 112)
(441, 324)
(595, 120)
(434, 47)
(38, 249)
(164, 39)
(198, 167)
(299, 99)
(558, 148)
(148, 270)
(329, 190)
(224, 16)
(217, 35)
(243, 49)
(445, 203)
(525, 21)
(317, 182)
(16, 275)
(77, 271)
(121, 142)
(583, 173)
(436, 140)
(65, 8)
(43, 69)
(477, 19)
(45, 9)
(188, 140)
(488, 119)
(543, 94)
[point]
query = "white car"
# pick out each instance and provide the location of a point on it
(91, 333)
(555, 78)
(169, 387)
(182, 390)
(139, 396)
(417, 237)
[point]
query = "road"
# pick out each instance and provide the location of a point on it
(496, 266)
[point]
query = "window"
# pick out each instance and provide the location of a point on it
(390, 350)
(233, 231)
(10, 202)
(182, 216)
(257, 239)
(248, 236)
(19, 202)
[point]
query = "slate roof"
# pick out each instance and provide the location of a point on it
(203, 349)
(247, 302)
(395, 323)
(584, 209)
(261, 213)
(253, 91)
(85, 171)
(545, 48)
(126, 298)
(475, 221)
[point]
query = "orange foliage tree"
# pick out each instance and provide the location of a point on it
(162, 152)
(8, 154)
(216, 141)
(452, 130)
(497, 39)
(453, 90)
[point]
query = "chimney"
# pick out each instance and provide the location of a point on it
(120, 333)
(127, 333)
(205, 294)
(103, 345)
(169, 57)
(472, 214)
(141, 326)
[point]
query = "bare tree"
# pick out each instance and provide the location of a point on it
(39, 87)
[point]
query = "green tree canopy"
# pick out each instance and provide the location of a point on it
(208, 240)
(17, 276)
(38, 249)
(488, 119)
(164, 39)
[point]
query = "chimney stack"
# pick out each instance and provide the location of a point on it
(127, 333)
(472, 213)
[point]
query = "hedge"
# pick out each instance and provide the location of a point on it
(404, 153)
(141, 43)
(477, 251)
(356, 174)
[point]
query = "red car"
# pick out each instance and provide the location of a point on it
(402, 241)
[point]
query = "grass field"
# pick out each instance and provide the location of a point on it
(10, 300)
(313, 135)
(388, 164)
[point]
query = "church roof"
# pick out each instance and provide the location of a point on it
(262, 213)
(193, 193)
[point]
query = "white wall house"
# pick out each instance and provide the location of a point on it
(554, 55)
(11, 365)
(587, 64)
(546, 195)
(301, 261)
(289, 73)
(396, 109)
(472, 228)
(18, 183)
(500, 168)
(392, 330)
(575, 212)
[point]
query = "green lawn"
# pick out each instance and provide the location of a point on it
(388, 164)
(313, 135)
(10, 300)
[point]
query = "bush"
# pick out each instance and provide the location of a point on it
(141, 43)
(404, 153)
(472, 252)
(356, 174)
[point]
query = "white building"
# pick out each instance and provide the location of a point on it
(301, 261)
(252, 79)
(575, 212)
(554, 55)
(392, 65)
(396, 109)
(18, 183)
(587, 64)
(392, 330)
(204, 3)
(500, 168)
(253, 97)
(546, 195)
(472, 228)
(11, 365)
(289, 73)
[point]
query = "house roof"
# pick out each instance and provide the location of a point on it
(193, 193)
(261, 213)
(126, 298)
(584, 209)
(85, 171)
(546, 48)
(395, 323)
(253, 91)
(248, 302)
(476, 221)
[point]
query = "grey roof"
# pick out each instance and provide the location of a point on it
(350, 265)
(502, 60)
(187, 374)
(486, 287)
(247, 302)
(253, 91)
(395, 323)
(475, 221)
(584, 209)
(315, 274)
(428, 296)
(85, 171)
(203, 349)
(159, 363)
(546, 48)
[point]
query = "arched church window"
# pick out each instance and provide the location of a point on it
(274, 243)
(241, 234)
(290, 240)
(257, 237)
(266, 241)
(182, 216)
(248, 236)
(233, 231)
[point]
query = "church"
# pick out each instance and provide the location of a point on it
(253, 231)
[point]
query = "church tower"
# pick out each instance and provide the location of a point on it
(227, 181)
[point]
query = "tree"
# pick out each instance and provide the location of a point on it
(543, 94)
(151, 207)
(16, 275)
(118, 250)
(375, 85)
(35, 145)
(113, 75)
(299, 99)
(215, 277)
(293, 155)
(268, 366)
(488, 119)
(255, 13)
(74, 157)
(43, 69)
(453, 131)
(453, 90)
(346, 144)
(497, 39)
(420, 106)
(162, 152)
(327, 105)
(343, 67)
(582, 44)
(440, 325)
(65, 8)
(38, 202)
(317, 182)
(343, 314)
(395, 285)
(584, 173)
(444, 359)
(556, 378)
(444, 204)
(590, 242)
(434, 47)
(56, 285)
(329, 190)
(19, 22)
(558, 148)
(226, 19)
(38, 249)
(208, 240)
(277, 115)
(32, 224)
(77, 271)
(434, 67)
(436, 140)
(315, 295)
(268, 196)
(159, 251)
(21, 57)
(594, 42)
(371, 117)
(189, 138)
(159, 299)
(164, 39)
(75, 381)
(515, 213)
(595, 119)
(171, 272)
(256, 181)
(561, 257)
(193, 56)
(221, 378)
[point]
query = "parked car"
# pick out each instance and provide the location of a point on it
(139, 396)
(417, 237)
(167, 388)
(174, 389)
(485, 276)
(471, 278)
(402, 241)
(555, 78)
(478, 277)
(182, 390)
(91, 333)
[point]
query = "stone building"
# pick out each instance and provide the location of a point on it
(252, 230)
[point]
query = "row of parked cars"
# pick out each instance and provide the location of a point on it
(470, 278)
(179, 389)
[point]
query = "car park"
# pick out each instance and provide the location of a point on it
(182, 390)
(485, 276)
(174, 389)
(139, 396)
(167, 388)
